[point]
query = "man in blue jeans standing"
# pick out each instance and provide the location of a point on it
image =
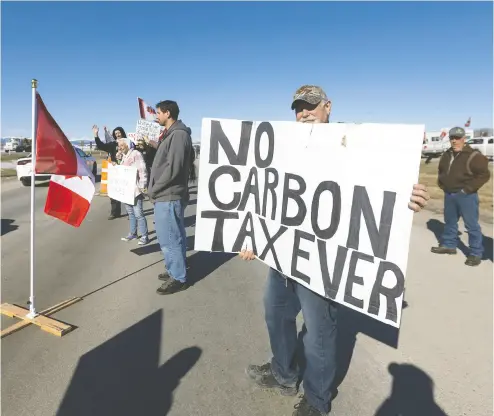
(462, 172)
(284, 298)
(169, 192)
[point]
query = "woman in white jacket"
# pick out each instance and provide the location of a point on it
(132, 157)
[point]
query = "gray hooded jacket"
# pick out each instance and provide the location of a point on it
(169, 179)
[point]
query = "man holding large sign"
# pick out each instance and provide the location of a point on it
(299, 194)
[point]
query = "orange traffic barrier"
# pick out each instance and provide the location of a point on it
(103, 190)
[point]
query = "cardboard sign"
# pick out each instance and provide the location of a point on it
(122, 183)
(149, 129)
(324, 204)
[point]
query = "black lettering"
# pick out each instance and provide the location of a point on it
(264, 127)
(391, 294)
(331, 286)
(361, 206)
(354, 279)
(298, 252)
(294, 194)
(251, 189)
(334, 188)
(270, 242)
(224, 170)
(271, 187)
(218, 137)
(220, 217)
(244, 233)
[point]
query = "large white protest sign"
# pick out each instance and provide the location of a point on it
(148, 128)
(325, 204)
(122, 183)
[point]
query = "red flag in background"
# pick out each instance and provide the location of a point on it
(467, 124)
(146, 111)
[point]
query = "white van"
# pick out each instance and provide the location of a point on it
(483, 145)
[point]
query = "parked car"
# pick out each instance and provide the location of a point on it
(435, 146)
(24, 167)
(483, 145)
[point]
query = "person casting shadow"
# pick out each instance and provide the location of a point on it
(412, 393)
(123, 376)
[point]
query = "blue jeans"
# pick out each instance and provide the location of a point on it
(283, 300)
(137, 218)
(466, 206)
(170, 229)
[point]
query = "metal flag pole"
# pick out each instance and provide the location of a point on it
(34, 84)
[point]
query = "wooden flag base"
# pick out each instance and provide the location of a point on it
(46, 324)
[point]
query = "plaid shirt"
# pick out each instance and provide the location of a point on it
(135, 158)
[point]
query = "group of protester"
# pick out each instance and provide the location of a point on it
(171, 169)
(164, 170)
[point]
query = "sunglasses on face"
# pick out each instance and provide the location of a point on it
(455, 138)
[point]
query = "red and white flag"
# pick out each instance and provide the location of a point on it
(72, 183)
(467, 124)
(146, 111)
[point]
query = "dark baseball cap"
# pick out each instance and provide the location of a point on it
(457, 132)
(311, 94)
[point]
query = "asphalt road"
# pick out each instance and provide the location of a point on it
(137, 353)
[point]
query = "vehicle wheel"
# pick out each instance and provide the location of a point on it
(95, 169)
(26, 181)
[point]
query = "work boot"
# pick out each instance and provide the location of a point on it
(443, 250)
(257, 371)
(303, 408)
(171, 286)
(164, 276)
(264, 378)
(473, 260)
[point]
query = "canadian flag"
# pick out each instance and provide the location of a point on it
(146, 111)
(72, 183)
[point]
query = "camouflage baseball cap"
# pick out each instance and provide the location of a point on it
(311, 94)
(457, 132)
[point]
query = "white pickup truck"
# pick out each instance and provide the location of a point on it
(435, 146)
(484, 145)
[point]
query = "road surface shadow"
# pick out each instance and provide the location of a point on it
(123, 376)
(8, 226)
(155, 248)
(190, 221)
(350, 324)
(200, 264)
(437, 227)
(119, 279)
(203, 263)
(412, 393)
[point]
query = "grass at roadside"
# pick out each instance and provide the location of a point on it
(428, 177)
(7, 157)
(7, 173)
